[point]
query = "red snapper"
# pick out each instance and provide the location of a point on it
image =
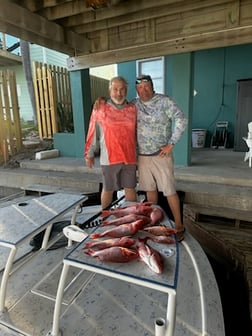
(116, 254)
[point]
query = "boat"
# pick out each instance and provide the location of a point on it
(96, 304)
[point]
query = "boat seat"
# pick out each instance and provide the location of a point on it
(33, 216)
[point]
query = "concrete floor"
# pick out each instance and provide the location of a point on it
(218, 166)
(221, 167)
(207, 165)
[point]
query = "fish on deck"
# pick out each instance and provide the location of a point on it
(150, 256)
(138, 209)
(114, 254)
(102, 244)
(120, 231)
(126, 219)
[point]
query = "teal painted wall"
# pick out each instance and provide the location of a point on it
(181, 92)
(215, 80)
(66, 144)
(124, 69)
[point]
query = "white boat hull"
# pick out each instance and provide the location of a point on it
(95, 305)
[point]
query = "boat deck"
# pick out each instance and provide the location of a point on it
(94, 305)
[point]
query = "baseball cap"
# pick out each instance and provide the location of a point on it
(143, 78)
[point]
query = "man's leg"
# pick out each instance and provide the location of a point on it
(152, 196)
(106, 198)
(130, 194)
(174, 204)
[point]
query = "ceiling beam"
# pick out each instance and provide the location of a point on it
(37, 5)
(223, 38)
(171, 26)
(13, 21)
(130, 7)
(63, 10)
(87, 24)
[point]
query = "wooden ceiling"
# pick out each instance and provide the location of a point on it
(114, 31)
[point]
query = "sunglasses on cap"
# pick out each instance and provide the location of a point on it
(143, 79)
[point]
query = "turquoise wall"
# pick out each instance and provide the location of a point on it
(124, 69)
(181, 70)
(215, 80)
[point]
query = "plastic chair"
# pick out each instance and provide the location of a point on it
(248, 140)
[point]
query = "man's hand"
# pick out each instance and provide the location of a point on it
(89, 162)
(166, 150)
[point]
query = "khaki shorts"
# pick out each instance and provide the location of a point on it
(156, 173)
(118, 176)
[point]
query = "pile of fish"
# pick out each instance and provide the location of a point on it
(120, 242)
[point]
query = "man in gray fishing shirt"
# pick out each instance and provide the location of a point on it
(156, 139)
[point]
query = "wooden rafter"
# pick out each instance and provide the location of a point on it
(128, 29)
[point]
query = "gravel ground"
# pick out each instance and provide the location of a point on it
(31, 145)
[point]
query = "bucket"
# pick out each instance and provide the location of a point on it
(198, 138)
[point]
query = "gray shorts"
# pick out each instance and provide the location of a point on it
(156, 173)
(118, 176)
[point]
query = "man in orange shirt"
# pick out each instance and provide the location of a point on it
(112, 129)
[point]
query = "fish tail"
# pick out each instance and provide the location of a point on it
(147, 203)
(95, 236)
(104, 223)
(88, 245)
(105, 213)
(143, 240)
(90, 252)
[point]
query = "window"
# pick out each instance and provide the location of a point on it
(155, 68)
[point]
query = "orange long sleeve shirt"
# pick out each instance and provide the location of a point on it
(112, 130)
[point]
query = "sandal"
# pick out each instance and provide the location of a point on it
(180, 235)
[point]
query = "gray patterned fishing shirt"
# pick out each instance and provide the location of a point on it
(159, 122)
